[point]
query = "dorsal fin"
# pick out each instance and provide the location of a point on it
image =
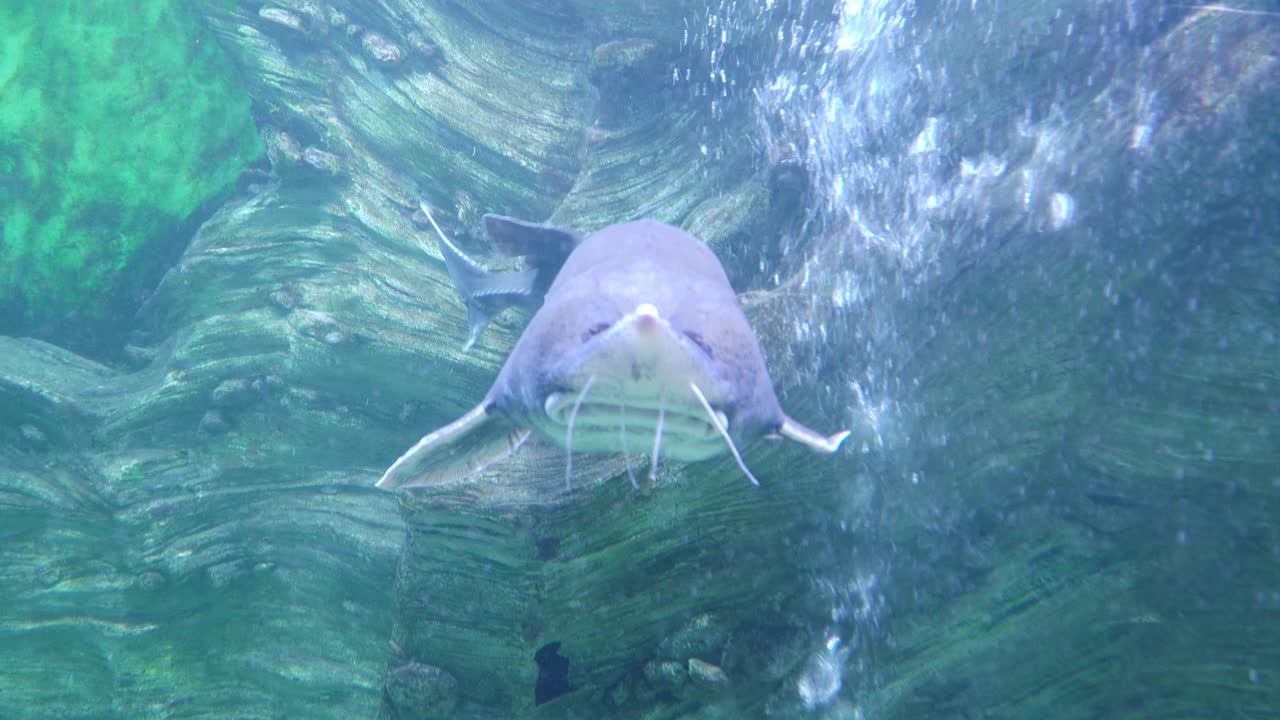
(543, 247)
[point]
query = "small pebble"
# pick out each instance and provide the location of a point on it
(151, 580)
(282, 149)
(421, 691)
(236, 392)
(665, 674)
(223, 574)
(706, 673)
(423, 46)
(139, 355)
(284, 298)
(381, 49)
(33, 436)
(280, 17)
(325, 162)
(213, 423)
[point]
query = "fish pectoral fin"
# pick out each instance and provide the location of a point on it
(456, 451)
(793, 430)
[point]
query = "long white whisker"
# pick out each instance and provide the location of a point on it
(657, 436)
(626, 454)
(568, 433)
(724, 433)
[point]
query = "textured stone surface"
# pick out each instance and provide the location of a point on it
(1093, 432)
(1067, 510)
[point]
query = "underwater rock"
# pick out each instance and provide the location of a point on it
(704, 636)
(277, 17)
(234, 393)
(151, 580)
(213, 423)
(666, 674)
(624, 70)
(32, 436)
(707, 674)
(379, 48)
(303, 21)
(322, 326)
(419, 691)
(284, 298)
(225, 573)
(282, 149)
(621, 55)
(326, 162)
(139, 354)
(424, 48)
(315, 16)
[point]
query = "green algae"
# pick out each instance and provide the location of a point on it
(115, 128)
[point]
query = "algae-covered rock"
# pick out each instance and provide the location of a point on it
(421, 692)
(117, 130)
(621, 55)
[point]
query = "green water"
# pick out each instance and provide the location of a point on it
(115, 127)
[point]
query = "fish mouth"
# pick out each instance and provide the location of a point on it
(631, 386)
(612, 422)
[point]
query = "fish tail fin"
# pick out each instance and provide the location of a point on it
(477, 319)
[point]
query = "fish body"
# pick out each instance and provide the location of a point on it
(639, 345)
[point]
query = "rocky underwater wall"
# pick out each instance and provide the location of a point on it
(1059, 499)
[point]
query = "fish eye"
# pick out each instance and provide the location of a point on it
(595, 330)
(696, 339)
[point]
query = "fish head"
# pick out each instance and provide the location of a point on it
(624, 383)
